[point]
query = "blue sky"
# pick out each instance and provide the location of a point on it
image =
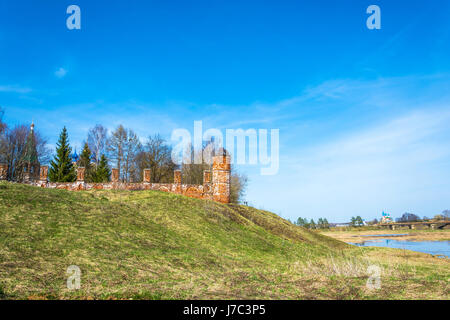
(363, 114)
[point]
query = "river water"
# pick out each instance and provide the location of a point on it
(431, 247)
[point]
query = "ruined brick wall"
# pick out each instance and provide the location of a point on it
(216, 185)
(221, 179)
(43, 173)
(80, 174)
(114, 175)
(147, 175)
(3, 171)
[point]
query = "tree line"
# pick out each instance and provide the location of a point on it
(121, 148)
(411, 217)
(356, 221)
(322, 223)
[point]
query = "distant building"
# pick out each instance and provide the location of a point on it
(386, 218)
(74, 156)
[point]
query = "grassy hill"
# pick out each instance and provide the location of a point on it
(156, 245)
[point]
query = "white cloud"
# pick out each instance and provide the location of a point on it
(14, 89)
(359, 147)
(400, 165)
(60, 73)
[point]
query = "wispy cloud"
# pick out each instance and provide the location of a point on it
(333, 106)
(14, 89)
(61, 73)
(399, 165)
(395, 158)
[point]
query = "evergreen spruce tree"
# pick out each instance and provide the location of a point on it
(302, 222)
(307, 225)
(85, 162)
(61, 168)
(102, 173)
(312, 224)
(320, 223)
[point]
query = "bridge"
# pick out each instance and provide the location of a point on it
(413, 225)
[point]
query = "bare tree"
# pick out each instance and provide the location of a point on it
(97, 139)
(191, 172)
(408, 217)
(156, 155)
(132, 148)
(123, 147)
(15, 144)
(2, 124)
(15, 140)
(43, 151)
(238, 185)
(115, 146)
(3, 144)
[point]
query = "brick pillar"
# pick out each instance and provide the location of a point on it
(114, 175)
(3, 171)
(80, 174)
(221, 178)
(177, 177)
(177, 181)
(206, 177)
(147, 175)
(43, 173)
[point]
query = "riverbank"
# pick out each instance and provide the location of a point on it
(363, 234)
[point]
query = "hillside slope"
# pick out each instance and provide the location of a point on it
(156, 245)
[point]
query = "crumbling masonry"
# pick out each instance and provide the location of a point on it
(216, 184)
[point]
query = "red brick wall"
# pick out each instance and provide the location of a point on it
(3, 171)
(218, 189)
